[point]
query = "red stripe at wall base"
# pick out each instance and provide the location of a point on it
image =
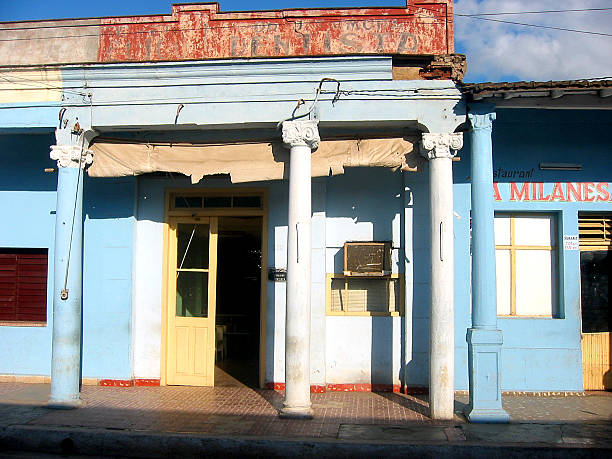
(314, 388)
(128, 382)
(354, 388)
(147, 382)
(116, 382)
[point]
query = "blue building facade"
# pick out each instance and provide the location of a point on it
(188, 153)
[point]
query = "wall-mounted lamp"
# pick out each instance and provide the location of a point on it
(560, 167)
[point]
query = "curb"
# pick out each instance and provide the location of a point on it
(125, 443)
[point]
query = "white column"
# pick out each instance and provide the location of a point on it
(301, 137)
(440, 149)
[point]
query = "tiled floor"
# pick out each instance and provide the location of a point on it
(227, 409)
(233, 409)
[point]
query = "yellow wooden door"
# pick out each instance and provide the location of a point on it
(596, 362)
(192, 269)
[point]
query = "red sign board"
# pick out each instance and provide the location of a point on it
(201, 31)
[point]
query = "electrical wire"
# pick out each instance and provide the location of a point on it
(288, 19)
(362, 97)
(173, 85)
(542, 26)
(79, 175)
(417, 93)
(119, 24)
(314, 102)
(43, 85)
(114, 33)
(581, 10)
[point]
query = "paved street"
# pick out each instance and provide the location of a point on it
(231, 410)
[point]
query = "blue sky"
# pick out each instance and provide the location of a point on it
(18, 10)
(496, 51)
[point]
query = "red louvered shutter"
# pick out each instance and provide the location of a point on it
(8, 286)
(23, 285)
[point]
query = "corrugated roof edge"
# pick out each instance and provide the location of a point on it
(590, 84)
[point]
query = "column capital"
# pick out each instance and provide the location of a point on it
(301, 132)
(71, 156)
(482, 121)
(441, 145)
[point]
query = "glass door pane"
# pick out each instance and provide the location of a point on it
(192, 294)
(192, 260)
(192, 246)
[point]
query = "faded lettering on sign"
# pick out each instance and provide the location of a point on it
(206, 33)
(554, 192)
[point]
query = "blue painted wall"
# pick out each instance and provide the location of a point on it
(27, 204)
(539, 354)
(108, 236)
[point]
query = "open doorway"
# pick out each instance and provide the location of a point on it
(595, 272)
(238, 300)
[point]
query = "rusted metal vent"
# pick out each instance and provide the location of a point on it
(367, 259)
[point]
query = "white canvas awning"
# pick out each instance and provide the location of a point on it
(247, 162)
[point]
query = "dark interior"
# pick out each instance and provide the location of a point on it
(595, 269)
(238, 299)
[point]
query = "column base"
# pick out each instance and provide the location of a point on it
(65, 404)
(487, 415)
(484, 372)
(296, 412)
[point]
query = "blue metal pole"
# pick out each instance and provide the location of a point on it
(67, 289)
(484, 339)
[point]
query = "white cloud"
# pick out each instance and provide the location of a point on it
(499, 51)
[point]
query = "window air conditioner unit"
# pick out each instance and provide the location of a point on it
(367, 259)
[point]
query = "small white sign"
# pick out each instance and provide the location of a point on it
(571, 242)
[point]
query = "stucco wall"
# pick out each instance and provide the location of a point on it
(148, 261)
(27, 205)
(364, 204)
(108, 237)
(343, 210)
(27, 195)
(540, 354)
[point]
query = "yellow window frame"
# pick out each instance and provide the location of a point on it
(513, 248)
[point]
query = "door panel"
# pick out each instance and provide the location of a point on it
(199, 362)
(595, 269)
(182, 342)
(596, 361)
(191, 301)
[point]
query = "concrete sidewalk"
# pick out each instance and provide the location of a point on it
(234, 420)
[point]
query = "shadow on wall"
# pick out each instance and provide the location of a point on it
(554, 136)
(414, 373)
(24, 159)
(108, 246)
(367, 204)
